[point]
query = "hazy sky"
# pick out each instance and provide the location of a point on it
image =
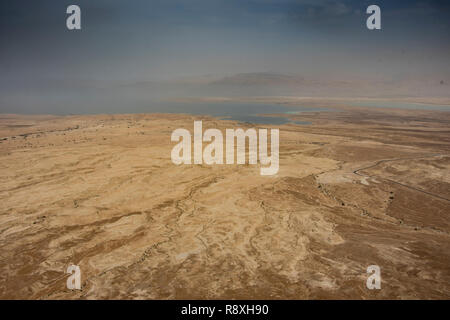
(126, 42)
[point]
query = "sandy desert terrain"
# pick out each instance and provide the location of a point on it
(357, 187)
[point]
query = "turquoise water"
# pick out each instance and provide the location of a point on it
(255, 112)
(238, 111)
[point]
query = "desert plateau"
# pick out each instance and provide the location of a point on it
(355, 187)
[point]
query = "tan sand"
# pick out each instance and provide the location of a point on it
(358, 187)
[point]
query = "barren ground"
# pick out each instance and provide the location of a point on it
(357, 187)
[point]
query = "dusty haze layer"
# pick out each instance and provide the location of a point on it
(357, 187)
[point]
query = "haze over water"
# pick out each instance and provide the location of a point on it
(130, 57)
